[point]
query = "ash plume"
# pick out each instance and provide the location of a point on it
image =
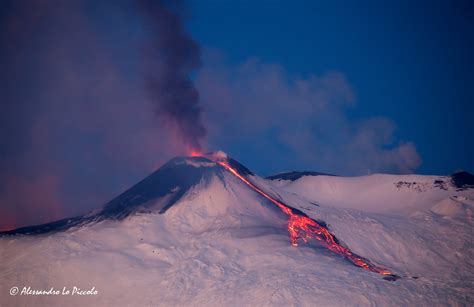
(76, 125)
(170, 59)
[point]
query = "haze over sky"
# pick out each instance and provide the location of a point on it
(336, 87)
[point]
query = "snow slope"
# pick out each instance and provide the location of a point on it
(220, 243)
(380, 193)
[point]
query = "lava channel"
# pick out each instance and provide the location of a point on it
(305, 228)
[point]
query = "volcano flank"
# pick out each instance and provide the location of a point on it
(207, 225)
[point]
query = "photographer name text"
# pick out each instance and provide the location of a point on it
(53, 291)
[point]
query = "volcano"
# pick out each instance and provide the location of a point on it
(207, 230)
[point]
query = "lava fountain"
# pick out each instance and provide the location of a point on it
(304, 228)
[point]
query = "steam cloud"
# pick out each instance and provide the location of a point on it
(171, 57)
(264, 108)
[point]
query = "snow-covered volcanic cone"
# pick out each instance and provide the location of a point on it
(192, 233)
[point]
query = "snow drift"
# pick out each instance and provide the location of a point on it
(193, 234)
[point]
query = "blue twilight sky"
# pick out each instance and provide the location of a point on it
(409, 61)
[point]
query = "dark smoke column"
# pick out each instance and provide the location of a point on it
(171, 56)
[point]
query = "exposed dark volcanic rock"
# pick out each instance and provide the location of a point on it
(173, 179)
(157, 192)
(296, 175)
(55, 226)
(239, 167)
(463, 180)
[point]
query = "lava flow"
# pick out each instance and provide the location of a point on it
(305, 228)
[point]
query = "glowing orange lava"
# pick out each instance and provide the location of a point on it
(195, 153)
(303, 227)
